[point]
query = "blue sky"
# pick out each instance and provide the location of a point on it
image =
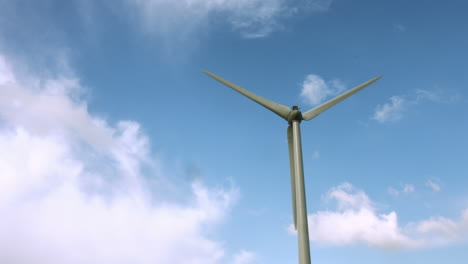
(115, 148)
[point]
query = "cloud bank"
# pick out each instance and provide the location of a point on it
(251, 18)
(356, 221)
(76, 189)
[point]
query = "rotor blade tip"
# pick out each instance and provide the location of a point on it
(375, 79)
(210, 74)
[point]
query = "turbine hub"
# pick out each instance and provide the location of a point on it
(294, 115)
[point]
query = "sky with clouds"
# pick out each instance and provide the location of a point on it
(115, 148)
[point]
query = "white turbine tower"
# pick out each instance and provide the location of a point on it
(294, 118)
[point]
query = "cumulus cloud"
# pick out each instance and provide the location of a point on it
(391, 111)
(315, 89)
(356, 221)
(72, 187)
(441, 231)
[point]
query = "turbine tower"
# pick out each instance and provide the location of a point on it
(294, 118)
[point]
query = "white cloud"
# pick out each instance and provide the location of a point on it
(72, 188)
(408, 188)
(390, 111)
(356, 221)
(433, 184)
(315, 89)
(428, 95)
(252, 18)
(6, 74)
(440, 231)
(394, 110)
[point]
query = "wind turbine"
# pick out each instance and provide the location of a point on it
(294, 118)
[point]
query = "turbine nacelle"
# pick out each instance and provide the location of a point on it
(294, 115)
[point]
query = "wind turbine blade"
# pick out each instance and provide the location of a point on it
(276, 108)
(302, 225)
(321, 108)
(292, 173)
